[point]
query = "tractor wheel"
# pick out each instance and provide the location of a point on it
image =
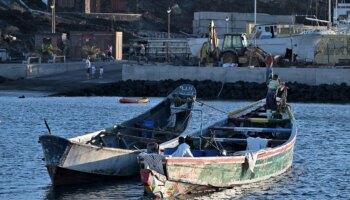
(229, 57)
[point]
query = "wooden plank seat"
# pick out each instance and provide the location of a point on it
(154, 130)
(252, 129)
(139, 139)
(241, 140)
(195, 152)
(259, 120)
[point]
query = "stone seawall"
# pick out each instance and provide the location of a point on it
(307, 75)
(217, 90)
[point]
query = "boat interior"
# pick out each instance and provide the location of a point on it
(159, 124)
(231, 136)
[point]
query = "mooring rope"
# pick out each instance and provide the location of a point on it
(212, 107)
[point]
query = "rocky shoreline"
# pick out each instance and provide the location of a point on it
(217, 90)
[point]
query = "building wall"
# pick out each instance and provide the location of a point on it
(343, 10)
(237, 21)
(56, 39)
(91, 6)
(99, 39)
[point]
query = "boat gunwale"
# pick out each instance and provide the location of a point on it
(263, 154)
(72, 142)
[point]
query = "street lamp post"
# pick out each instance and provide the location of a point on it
(167, 44)
(227, 19)
(254, 20)
(254, 12)
(168, 11)
(53, 23)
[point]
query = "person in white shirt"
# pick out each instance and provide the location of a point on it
(88, 67)
(93, 71)
(183, 150)
(101, 73)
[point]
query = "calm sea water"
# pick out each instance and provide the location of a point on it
(321, 168)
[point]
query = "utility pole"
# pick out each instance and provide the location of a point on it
(227, 19)
(254, 12)
(169, 11)
(53, 17)
(329, 14)
(254, 21)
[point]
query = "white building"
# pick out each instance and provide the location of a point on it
(233, 22)
(341, 13)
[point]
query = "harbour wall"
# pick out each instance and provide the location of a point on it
(307, 75)
(21, 71)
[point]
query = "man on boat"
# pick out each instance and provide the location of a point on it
(273, 87)
(183, 150)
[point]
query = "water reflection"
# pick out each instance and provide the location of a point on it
(127, 188)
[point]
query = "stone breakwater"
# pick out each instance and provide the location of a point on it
(217, 90)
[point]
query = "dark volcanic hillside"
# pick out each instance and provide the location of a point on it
(17, 17)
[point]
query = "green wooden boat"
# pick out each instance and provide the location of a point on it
(247, 146)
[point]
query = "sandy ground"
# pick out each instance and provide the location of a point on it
(51, 84)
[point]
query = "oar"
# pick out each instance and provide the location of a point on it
(47, 126)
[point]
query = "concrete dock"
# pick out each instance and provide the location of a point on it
(46, 79)
(59, 77)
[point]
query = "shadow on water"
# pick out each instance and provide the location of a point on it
(126, 188)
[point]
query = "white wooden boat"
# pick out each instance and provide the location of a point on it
(112, 152)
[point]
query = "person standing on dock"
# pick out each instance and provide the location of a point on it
(109, 53)
(101, 73)
(93, 71)
(269, 70)
(88, 67)
(273, 87)
(143, 53)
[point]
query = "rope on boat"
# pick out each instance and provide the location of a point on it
(222, 87)
(212, 107)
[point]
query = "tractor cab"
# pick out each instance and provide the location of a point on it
(235, 42)
(233, 49)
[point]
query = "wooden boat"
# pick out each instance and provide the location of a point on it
(224, 154)
(128, 100)
(112, 152)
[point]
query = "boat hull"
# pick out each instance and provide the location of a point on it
(113, 151)
(252, 159)
(157, 186)
(191, 175)
(304, 46)
(69, 163)
(63, 176)
(125, 100)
